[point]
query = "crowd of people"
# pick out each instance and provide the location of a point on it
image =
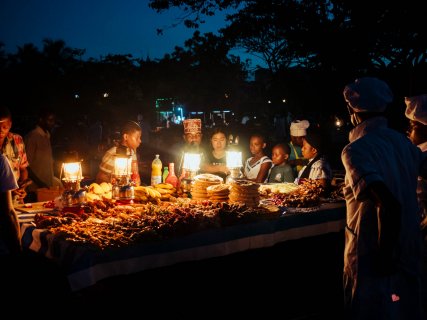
(385, 184)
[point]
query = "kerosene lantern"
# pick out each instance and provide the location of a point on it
(190, 165)
(123, 189)
(71, 175)
(234, 163)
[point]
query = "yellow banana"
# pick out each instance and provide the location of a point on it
(163, 186)
(153, 192)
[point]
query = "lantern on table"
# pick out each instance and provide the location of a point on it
(71, 175)
(122, 188)
(190, 165)
(234, 163)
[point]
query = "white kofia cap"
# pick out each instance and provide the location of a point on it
(299, 128)
(368, 95)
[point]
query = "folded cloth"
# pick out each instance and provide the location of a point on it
(416, 108)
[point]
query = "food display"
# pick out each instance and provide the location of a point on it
(244, 191)
(218, 192)
(162, 211)
(106, 224)
(268, 189)
(306, 195)
(99, 191)
(201, 183)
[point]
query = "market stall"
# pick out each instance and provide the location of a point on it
(86, 265)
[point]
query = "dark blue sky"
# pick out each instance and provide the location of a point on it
(99, 26)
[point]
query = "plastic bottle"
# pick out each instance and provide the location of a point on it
(165, 173)
(172, 178)
(156, 171)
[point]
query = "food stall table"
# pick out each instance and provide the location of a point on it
(84, 266)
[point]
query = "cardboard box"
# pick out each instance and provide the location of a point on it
(45, 194)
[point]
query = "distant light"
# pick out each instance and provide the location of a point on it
(226, 95)
(269, 101)
(76, 96)
(338, 122)
(284, 100)
(105, 95)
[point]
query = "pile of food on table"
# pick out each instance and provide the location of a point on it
(162, 211)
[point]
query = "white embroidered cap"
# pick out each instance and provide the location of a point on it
(299, 128)
(368, 95)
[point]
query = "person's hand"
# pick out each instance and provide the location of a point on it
(19, 195)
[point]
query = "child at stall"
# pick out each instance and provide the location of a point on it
(281, 171)
(318, 167)
(258, 166)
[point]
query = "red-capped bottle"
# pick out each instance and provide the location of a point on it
(172, 178)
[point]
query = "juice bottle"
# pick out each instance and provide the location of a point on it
(172, 178)
(156, 171)
(165, 174)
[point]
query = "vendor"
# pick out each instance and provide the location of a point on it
(215, 161)
(192, 142)
(131, 139)
(317, 168)
(298, 131)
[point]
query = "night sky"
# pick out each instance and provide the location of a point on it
(100, 26)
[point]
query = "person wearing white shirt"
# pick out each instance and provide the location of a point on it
(382, 252)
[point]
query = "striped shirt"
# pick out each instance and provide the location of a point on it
(14, 149)
(107, 163)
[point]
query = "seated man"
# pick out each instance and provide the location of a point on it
(192, 142)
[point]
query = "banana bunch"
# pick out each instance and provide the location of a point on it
(167, 191)
(161, 191)
(98, 191)
(147, 194)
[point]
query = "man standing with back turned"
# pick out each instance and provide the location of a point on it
(383, 240)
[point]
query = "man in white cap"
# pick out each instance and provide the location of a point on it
(383, 239)
(298, 131)
(416, 112)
